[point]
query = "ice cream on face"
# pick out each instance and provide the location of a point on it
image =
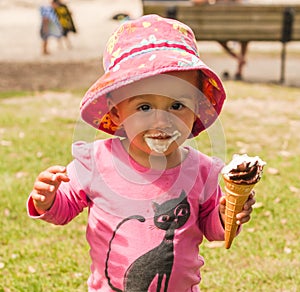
(244, 169)
(160, 142)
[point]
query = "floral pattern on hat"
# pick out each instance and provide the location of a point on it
(145, 47)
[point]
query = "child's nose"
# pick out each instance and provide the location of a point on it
(162, 118)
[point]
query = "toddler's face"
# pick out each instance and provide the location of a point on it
(158, 123)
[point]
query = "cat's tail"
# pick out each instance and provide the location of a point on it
(136, 217)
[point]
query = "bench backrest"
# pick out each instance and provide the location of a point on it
(232, 21)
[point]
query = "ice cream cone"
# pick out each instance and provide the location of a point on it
(236, 196)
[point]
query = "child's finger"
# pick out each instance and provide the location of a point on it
(61, 177)
(46, 177)
(50, 175)
(243, 220)
(250, 202)
(43, 188)
(243, 216)
(38, 197)
(252, 194)
(56, 169)
(223, 200)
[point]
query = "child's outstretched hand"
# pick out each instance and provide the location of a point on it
(45, 187)
(242, 217)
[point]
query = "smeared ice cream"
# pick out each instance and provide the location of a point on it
(244, 169)
(162, 141)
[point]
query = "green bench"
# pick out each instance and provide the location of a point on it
(241, 22)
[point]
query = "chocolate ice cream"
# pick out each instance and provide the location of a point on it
(244, 169)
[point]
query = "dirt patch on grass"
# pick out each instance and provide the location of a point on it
(38, 76)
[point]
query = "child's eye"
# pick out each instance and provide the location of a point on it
(144, 108)
(177, 106)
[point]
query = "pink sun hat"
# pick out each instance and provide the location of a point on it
(145, 47)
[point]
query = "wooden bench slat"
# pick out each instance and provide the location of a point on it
(229, 22)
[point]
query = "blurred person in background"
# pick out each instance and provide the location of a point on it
(65, 19)
(50, 26)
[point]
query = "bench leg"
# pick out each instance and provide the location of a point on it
(282, 68)
(240, 57)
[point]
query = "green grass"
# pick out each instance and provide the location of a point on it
(262, 120)
(36, 131)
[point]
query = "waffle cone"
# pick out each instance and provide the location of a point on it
(236, 196)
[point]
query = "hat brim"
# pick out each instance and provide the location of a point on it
(94, 107)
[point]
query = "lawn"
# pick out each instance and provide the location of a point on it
(36, 131)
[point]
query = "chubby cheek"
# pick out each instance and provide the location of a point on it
(135, 133)
(186, 125)
(134, 136)
(135, 126)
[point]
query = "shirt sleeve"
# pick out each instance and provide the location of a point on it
(210, 221)
(209, 218)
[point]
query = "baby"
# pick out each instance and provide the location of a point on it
(150, 198)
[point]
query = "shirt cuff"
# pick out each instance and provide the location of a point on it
(33, 213)
(31, 210)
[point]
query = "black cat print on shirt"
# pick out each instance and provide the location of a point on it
(157, 262)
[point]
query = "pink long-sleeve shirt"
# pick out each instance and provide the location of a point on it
(144, 225)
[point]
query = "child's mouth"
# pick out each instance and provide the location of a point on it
(160, 142)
